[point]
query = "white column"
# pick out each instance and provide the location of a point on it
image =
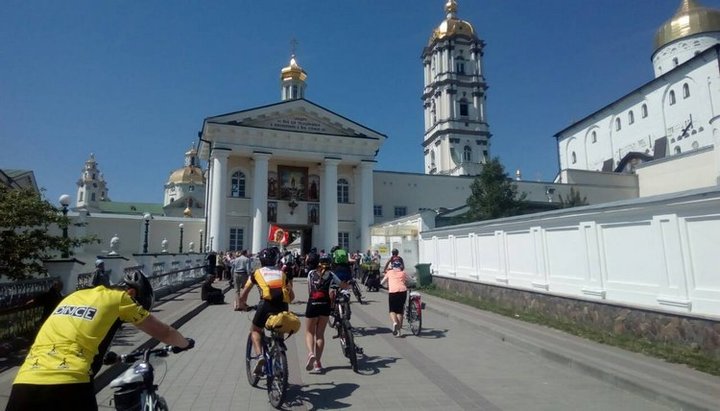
(367, 203)
(217, 216)
(259, 201)
(329, 205)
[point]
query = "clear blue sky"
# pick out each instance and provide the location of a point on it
(132, 81)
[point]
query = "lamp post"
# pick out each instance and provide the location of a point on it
(147, 217)
(181, 225)
(65, 202)
(202, 249)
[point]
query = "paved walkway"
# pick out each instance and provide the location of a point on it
(465, 359)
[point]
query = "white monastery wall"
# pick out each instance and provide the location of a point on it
(688, 171)
(657, 253)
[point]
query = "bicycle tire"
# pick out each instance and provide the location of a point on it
(357, 292)
(161, 404)
(250, 364)
(347, 340)
(277, 382)
(415, 317)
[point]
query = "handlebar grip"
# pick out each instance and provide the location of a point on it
(110, 358)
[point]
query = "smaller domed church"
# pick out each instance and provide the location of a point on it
(185, 189)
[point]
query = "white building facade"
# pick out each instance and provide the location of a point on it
(669, 116)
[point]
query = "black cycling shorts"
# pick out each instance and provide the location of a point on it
(266, 309)
(317, 308)
(57, 397)
(396, 302)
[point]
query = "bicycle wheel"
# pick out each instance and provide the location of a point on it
(250, 363)
(356, 291)
(414, 316)
(277, 382)
(347, 341)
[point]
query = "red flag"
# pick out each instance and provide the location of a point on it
(276, 234)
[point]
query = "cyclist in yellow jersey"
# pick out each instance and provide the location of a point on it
(275, 294)
(58, 371)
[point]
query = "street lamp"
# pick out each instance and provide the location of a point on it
(147, 217)
(181, 225)
(65, 202)
(201, 243)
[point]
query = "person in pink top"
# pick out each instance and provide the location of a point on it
(397, 280)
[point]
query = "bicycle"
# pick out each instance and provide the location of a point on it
(356, 290)
(413, 312)
(135, 389)
(340, 319)
(275, 369)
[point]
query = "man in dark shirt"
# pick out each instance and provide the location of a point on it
(211, 294)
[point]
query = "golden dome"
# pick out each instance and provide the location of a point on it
(187, 212)
(293, 71)
(451, 25)
(691, 18)
(185, 175)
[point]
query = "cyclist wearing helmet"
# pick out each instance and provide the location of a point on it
(341, 264)
(58, 371)
(318, 310)
(397, 281)
(275, 294)
(395, 261)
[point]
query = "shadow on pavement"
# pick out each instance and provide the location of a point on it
(320, 396)
(429, 333)
(368, 331)
(368, 365)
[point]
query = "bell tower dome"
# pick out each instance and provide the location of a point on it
(292, 81)
(457, 135)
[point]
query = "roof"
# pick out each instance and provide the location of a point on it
(114, 207)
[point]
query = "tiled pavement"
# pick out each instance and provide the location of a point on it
(464, 359)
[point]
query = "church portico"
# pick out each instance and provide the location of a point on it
(292, 164)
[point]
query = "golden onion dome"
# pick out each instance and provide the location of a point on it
(187, 212)
(293, 71)
(451, 25)
(187, 175)
(691, 18)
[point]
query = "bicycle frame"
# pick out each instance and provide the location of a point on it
(137, 383)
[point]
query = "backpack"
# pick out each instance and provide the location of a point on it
(286, 322)
(340, 256)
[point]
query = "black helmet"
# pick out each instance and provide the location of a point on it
(145, 295)
(325, 260)
(395, 251)
(268, 257)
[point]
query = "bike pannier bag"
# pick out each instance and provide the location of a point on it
(286, 322)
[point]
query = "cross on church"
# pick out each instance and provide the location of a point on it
(293, 45)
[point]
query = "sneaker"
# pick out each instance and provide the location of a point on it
(259, 367)
(396, 329)
(318, 369)
(399, 332)
(310, 362)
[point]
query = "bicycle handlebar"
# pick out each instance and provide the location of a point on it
(113, 358)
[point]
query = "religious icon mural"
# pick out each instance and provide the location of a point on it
(314, 189)
(314, 213)
(272, 184)
(293, 183)
(272, 211)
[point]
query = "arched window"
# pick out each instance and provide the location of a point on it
(467, 154)
(593, 137)
(618, 125)
(686, 90)
(574, 157)
(237, 184)
(643, 111)
(631, 117)
(672, 97)
(81, 196)
(343, 191)
(677, 150)
(675, 61)
(463, 108)
(432, 159)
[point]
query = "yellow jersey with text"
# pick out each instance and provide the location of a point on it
(272, 283)
(69, 339)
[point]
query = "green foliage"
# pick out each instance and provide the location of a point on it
(25, 240)
(493, 194)
(573, 199)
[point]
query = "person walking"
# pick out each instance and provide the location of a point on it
(58, 371)
(395, 260)
(100, 277)
(241, 270)
(319, 305)
(397, 280)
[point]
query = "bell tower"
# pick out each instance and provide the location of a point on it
(91, 186)
(457, 136)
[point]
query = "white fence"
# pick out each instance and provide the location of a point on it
(660, 253)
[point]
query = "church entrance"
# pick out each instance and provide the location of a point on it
(303, 237)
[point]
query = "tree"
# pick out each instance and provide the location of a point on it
(493, 195)
(25, 240)
(573, 199)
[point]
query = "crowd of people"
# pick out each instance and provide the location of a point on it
(77, 329)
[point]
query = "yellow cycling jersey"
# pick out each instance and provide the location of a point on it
(69, 339)
(272, 283)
